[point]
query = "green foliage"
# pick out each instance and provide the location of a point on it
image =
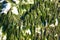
(34, 17)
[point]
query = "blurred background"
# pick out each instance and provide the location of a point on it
(29, 19)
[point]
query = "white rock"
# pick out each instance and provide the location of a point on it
(6, 8)
(14, 10)
(56, 22)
